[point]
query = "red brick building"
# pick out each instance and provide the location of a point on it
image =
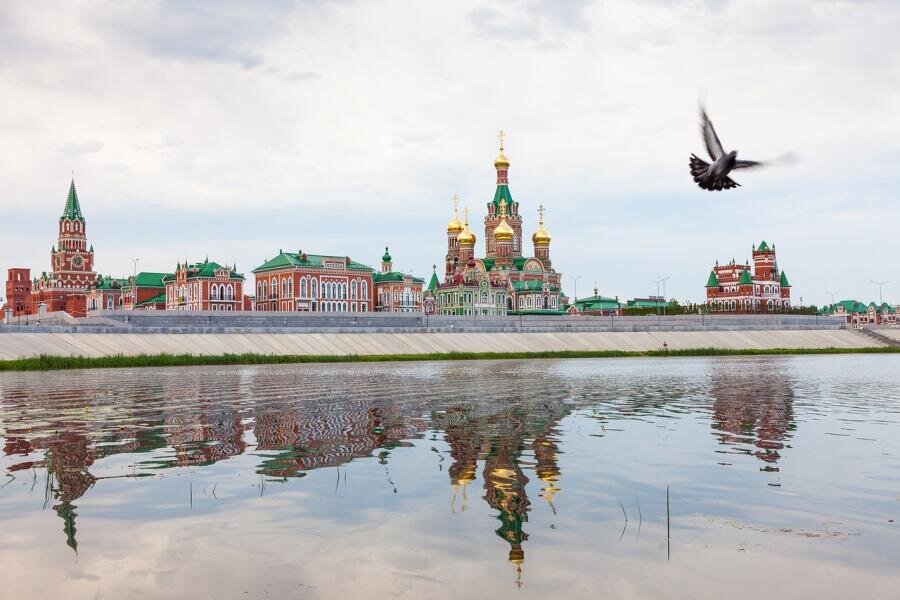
(204, 286)
(146, 291)
(18, 291)
(313, 282)
(106, 294)
(737, 288)
(71, 262)
(396, 291)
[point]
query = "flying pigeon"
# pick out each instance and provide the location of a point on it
(715, 176)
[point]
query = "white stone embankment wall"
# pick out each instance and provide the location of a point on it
(15, 345)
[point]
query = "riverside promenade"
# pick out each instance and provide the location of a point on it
(129, 333)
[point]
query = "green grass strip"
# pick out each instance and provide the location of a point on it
(47, 363)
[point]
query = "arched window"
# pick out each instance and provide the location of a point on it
(353, 290)
(230, 292)
(273, 287)
(109, 303)
(214, 292)
(364, 290)
(315, 288)
(265, 293)
(284, 288)
(259, 294)
(304, 288)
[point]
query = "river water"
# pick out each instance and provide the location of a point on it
(515, 479)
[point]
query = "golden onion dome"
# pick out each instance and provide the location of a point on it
(501, 161)
(541, 236)
(455, 225)
(466, 237)
(503, 232)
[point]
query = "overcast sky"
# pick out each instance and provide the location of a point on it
(211, 128)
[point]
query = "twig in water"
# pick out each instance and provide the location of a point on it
(214, 491)
(625, 525)
(668, 528)
(191, 491)
(640, 518)
(12, 478)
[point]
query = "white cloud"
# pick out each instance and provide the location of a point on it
(341, 126)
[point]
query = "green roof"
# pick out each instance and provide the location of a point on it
(533, 285)
(488, 263)
(596, 303)
(160, 299)
(109, 283)
(386, 257)
(434, 283)
(713, 281)
(763, 247)
(638, 303)
(206, 268)
(378, 277)
(502, 193)
(745, 277)
(151, 280)
(73, 209)
(784, 280)
(315, 261)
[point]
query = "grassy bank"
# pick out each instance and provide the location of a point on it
(48, 363)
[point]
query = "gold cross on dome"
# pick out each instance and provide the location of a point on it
(466, 211)
(541, 211)
(500, 137)
(455, 203)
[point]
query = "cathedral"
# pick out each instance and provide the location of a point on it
(504, 281)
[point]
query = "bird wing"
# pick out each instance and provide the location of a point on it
(748, 164)
(713, 145)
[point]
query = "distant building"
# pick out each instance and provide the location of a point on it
(504, 281)
(71, 265)
(313, 282)
(18, 291)
(204, 286)
(737, 288)
(146, 291)
(596, 305)
(105, 294)
(395, 291)
(860, 314)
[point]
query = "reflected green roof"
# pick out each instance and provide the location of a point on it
(379, 277)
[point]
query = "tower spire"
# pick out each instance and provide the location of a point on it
(72, 211)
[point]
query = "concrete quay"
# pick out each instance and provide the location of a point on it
(14, 345)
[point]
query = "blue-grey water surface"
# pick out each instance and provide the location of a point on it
(513, 479)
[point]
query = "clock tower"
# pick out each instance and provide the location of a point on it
(72, 262)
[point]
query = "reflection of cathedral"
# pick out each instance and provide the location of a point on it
(499, 438)
(753, 413)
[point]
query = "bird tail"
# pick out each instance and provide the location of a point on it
(717, 184)
(698, 167)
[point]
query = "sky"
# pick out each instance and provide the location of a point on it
(232, 130)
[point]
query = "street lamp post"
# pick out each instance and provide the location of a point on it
(880, 285)
(665, 302)
(575, 284)
(833, 294)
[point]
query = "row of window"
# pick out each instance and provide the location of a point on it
(311, 288)
(407, 297)
(753, 304)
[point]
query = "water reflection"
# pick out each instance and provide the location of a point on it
(510, 437)
(753, 414)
